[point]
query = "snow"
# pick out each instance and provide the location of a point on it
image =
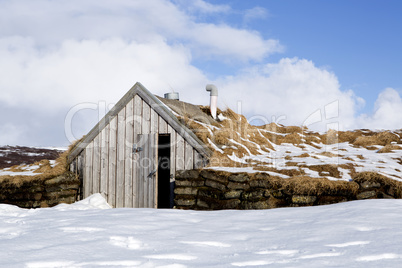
(214, 146)
(336, 154)
(26, 170)
(89, 234)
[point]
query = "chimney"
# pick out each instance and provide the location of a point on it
(172, 96)
(214, 99)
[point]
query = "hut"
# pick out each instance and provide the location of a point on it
(132, 154)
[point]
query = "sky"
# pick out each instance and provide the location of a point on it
(321, 64)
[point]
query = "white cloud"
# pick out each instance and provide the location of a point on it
(222, 40)
(50, 23)
(202, 6)
(55, 55)
(90, 70)
(255, 13)
(387, 112)
(292, 91)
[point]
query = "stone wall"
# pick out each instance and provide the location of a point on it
(211, 190)
(41, 193)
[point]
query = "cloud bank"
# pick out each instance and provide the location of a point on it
(55, 56)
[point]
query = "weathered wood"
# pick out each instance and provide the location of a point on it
(146, 118)
(105, 120)
(148, 164)
(121, 132)
(154, 121)
(198, 160)
(73, 166)
(136, 156)
(180, 149)
(88, 170)
(153, 156)
(188, 156)
(159, 107)
(85, 182)
(163, 126)
(172, 150)
(104, 162)
(112, 162)
(142, 170)
(96, 165)
(145, 166)
(110, 166)
(128, 155)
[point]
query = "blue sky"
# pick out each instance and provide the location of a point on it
(358, 40)
(322, 64)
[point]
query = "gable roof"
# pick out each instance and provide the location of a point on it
(158, 106)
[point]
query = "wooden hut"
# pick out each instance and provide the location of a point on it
(132, 154)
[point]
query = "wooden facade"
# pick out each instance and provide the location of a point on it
(119, 157)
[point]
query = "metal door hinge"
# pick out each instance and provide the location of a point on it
(151, 174)
(136, 148)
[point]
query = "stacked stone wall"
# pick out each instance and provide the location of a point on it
(212, 190)
(41, 193)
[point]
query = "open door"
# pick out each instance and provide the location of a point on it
(165, 186)
(145, 169)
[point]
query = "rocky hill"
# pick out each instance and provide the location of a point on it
(17, 155)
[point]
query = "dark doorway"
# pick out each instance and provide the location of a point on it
(165, 187)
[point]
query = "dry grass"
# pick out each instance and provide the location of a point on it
(380, 138)
(361, 138)
(389, 148)
(387, 137)
(293, 138)
(399, 160)
(206, 109)
(201, 132)
(324, 170)
(303, 155)
(350, 167)
(287, 172)
(290, 129)
(364, 141)
(331, 137)
(236, 128)
(236, 136)
(329, 154)
(375, 177)
(45, 168)
(360, 157)
(233, 136)
(304, 185)
(348, 136)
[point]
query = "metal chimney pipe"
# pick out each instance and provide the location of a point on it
(172, 96)
(214, 99)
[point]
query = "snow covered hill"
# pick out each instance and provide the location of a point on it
(291, 151)
(17, 155)
(88, 234)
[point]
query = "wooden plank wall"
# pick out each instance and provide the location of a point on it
(110, 167)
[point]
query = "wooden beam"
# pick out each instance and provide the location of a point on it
(121, 138)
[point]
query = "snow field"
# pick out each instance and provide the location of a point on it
(89, 234)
